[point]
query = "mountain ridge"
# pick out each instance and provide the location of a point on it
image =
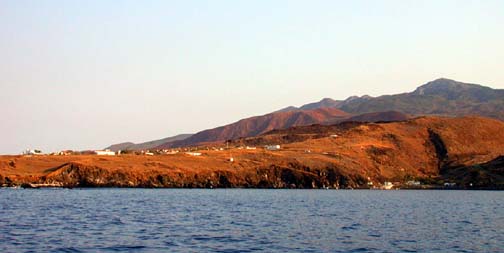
(444, 97)
(259, 124)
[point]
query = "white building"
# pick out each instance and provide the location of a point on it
(272, 147)
(193, 153)
(104, 152)
(32, 152)
(413, 183)
(387, 185)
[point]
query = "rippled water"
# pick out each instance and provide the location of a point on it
(239, 220)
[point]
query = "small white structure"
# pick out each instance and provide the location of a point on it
(250, 148)
(272, 147)
(104, 152)
(149, 153)
(387, 186)
(334, 136)
(32, 152)
(369, 183)
(65, 152)
(413, 183)
(193, 153)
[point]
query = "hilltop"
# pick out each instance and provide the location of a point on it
(439, 97)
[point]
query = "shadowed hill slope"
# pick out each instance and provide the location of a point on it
(487, 174)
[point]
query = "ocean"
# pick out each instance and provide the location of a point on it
(250, 220)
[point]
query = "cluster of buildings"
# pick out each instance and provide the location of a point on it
(108, 152)
(29, 152)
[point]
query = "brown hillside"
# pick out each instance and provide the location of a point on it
(466, 151)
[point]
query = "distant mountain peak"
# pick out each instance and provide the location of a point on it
(351, 98)
(288, 109)
(442, 96)
(444, 85)
(325, 100)
(443, 79)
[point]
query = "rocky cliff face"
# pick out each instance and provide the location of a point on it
(290, 176)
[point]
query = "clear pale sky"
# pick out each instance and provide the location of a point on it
(86, 74)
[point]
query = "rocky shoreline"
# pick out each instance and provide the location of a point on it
(74, 175)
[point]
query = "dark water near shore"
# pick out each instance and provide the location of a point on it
(239, 220)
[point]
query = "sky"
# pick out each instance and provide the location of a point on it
(86, 74)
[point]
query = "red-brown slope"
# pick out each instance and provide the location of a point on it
(260, 124)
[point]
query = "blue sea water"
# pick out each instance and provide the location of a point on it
(245, 220)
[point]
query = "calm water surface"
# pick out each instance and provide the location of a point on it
(239, 220)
